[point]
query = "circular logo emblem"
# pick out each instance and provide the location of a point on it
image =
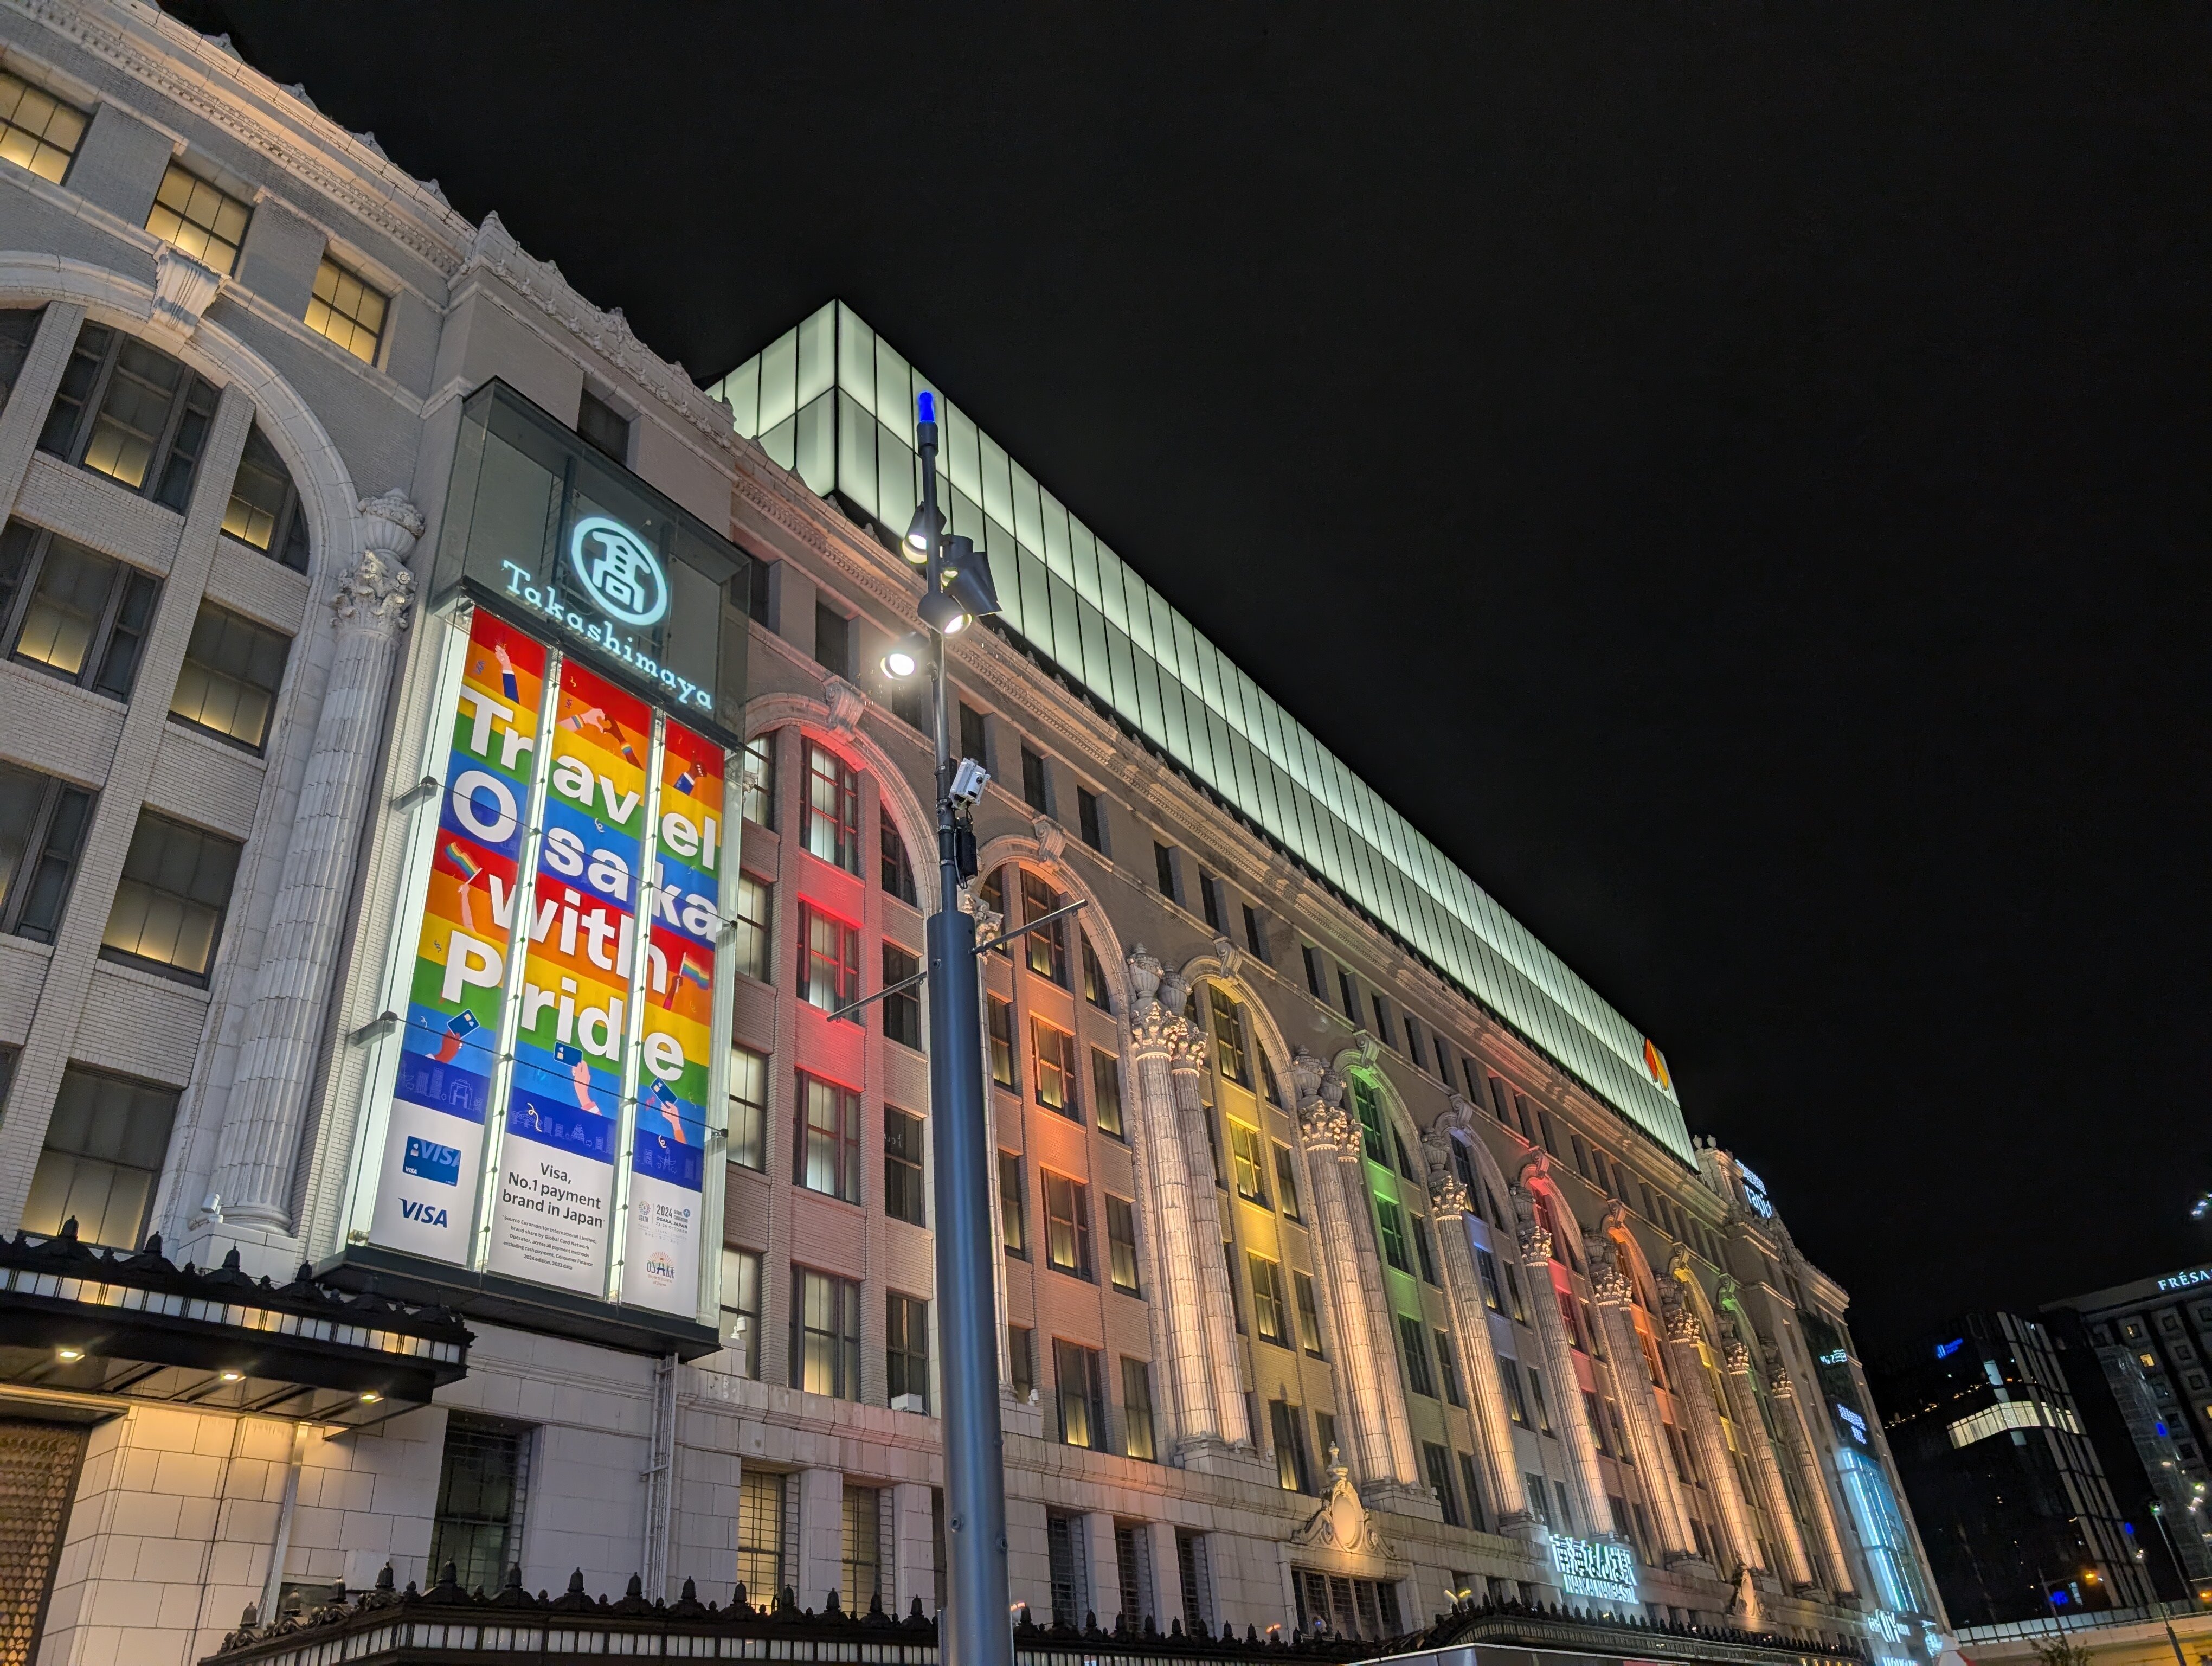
(619, 569)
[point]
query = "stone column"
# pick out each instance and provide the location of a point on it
(1505, 1498)
(1167, 1574)
(1186, 1061)
(819, 1555)
(1568, 1411)
(261, 1130)
(1610, 1291)
(1695, 1390)
(914, 1544)
(1155, 1031)
(1743, 1400)
(1790, 1415)
(1104, 1562)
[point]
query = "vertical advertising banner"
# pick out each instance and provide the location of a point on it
(433, 1141)
(554, 1203)
(661, 1256)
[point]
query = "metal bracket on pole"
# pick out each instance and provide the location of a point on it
(905, 983)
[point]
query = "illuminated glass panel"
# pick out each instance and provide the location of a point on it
(203, 221)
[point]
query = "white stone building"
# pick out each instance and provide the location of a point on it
(275, 629)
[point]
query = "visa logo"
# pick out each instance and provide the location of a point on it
(432, 1161)
(428, 1214)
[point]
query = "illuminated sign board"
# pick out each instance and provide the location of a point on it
(1852, 1421)
(1945, 1350)
(1754, 1193)
(1834, 1357)
(1590, 1569)
(2195, 1275)
(543, 1112)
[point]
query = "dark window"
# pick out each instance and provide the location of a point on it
(73, 612)
(902, 1011)
(481, 1482)
(825, 1334)
(906, 1346)
(1235, 1305)
(1067, 1225)
(1294, 1469)
(1325, 1436)
(42, 828)
(1448, 1369)
(1286, 1181)
(132, 413)
(1351, 994)
(18, 326)
(999, 1012)
(1443, 1064)
(1393, 1228)
(265, 510)
(1082, 1398)
(169, 907)
(1021, 1360)
(1254, 938)
(1411, 1333)
(1121, 1243)
(1440, 1477)
(1538, 1403)
(1061, 1539)
(827, 1150)
(1425, 1248)
(1094, 978)
(1046, 950)
(1209, 898)
(603, 427)
(1138, 1441)
(105, 1143)
(903, 1137)
(897, 871)
(829, 960)
(1405, 1156)
(1492, 1296)
(1473, 1491)
(833, 640)
(860, 1564)
(1382, 1020)
(1268, 1083)
(1106, 1091)
(232, 671)
(1013, 1221)
(1164, 869)
(1229, 1037)
(833, 809)
(1054, 1051)
(973, 741)
(1312, 958)
(1033, 783)
(756, 597)
(1581, 1152)
(1089, 818)
(1413, 1042)
(1517, 1399)
(1268, 1318)
(911, 704)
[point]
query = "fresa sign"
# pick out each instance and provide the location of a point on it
(1590, 1569)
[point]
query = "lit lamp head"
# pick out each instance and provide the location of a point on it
(921, 532)
(941, 613)
(904, 657)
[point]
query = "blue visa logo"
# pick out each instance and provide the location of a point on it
(431, 1161)
(425, 1214)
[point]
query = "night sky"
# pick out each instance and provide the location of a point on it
(1733, 475)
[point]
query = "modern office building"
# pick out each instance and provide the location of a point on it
(2012, 1503)
(445, 791)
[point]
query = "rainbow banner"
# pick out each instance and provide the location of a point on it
(552, 1214)
(668, 1161)
(434, 1140)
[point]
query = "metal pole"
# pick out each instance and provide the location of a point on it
(975, 1630)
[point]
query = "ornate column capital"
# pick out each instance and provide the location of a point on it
(373, 594)
(1682, 1323)
(1779, 1383)
(1609, 1285)
(1154, 1032)
(1187, 1053)
(1326, 1128)
(1447, 1197)
(390, 523)
(1536, 1238)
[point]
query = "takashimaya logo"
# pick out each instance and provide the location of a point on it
(619, 570)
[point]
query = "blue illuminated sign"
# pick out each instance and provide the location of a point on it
(1945, 1350)
(618, 568)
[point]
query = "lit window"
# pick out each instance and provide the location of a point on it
(1286, 1181)
(74, 613)
(1013, 1221)
(1067, 1225)
(1229, 1037)
(104, 1151)
(1448, 1369)
(1054, 1052)
(748, 1142)
(229, 682)
(897, 871)
(1309, 1313)
(829, 960)
(828, 1149)
(203, 221)
(1367, 1105)
(1137, 1414)
(833, 809)
(1245, 1158)
(902, 1011)
(1294, 1469)
(37, 129)
(1106, 1091)
(347, 309)
(1094, 980)
(1121, 1243)
(265, 510)
(760, 1534)
(132, 413)
(1047, 951)
(756, 781)
(1082, 1398)
(752, 938)
(1000, 1013)
(169, 907)
(1267, 1315)
(741, 1312)
(825, 1315)
(906, 1346)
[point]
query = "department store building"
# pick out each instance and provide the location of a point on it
(445, 789)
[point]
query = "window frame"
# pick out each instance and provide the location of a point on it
(1075, 1222)
(1013, 1197)
(177, 169)
(905, 1169)
(58, 802)
(222, 617)
(841, 782)
(1414, 1349)
(1045, 953)
(732, 1304)
(1137, 1411)
(1089, 1391)
(845, 1375)
(132, 591)
(1269, 1304)
(377, 338)
(748, 1133)
(170, 969)
(906, 1349)
(287, 527)
(902, 1011)
(40, 142)
(844, 1140)
(844, 985)
(1106, 1113)
(1245, 1158)
(1286, 1183)
(1121, 1212)
(72, 444)
(755, 938)
(1059, 1066)
(1309, 1312)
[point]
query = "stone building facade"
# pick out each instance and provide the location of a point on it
(1331, 1294)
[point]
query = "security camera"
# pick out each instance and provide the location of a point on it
(969, 780)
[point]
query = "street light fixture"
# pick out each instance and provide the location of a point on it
(922, 531)
(906, 656)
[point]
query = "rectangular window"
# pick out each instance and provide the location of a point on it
(1513, 1295)
(1448, 1369)
(1424, 1246)
(1268, 1084)
(1493, 1297)
(859, 1561)
(1021, 1360)
(1312, 958)
(1033, 783)
(1391, 1225)
(1537, 1403)
(833, 640)
(1381, 1019)
(1544, 1122)
(264, 513)
(1411, 1336)
(1325, 1442)
(829, 960)
(1286, 1181)
(1089, 819)
(105, 1143)
(910, 703)
(833, 809)
(350, 310)
(1229, 1037)
(741, 1307)
(1254, 938)
(1209, 899)
(130, 412)
(232, 670)
(1046, 950)
(902, 1011)
(756, 781)
(760, 1535)
(1597, 1421)
(72, 613)
(39, 133)
(1067, 1225)
(1229, 1263)
(599, 424)
(825, 1334)
(1473, 1491)
(973, 735)
(1294, 1469)
(1581, 1153)
(1121, 1243)
(42, 828)
(1516, 1400)
(1538, 1500)
(999, 1012)
(1164, 870)
(482, 1480)
(1094, 989)
(828, 1148)
(1567, 1510)
(902, 1143)
(906, 1343)
(897, 873)
(1052, 1051)
(169, 908)
(748, 1107)
(1246, 1160)
(1082, 1396)
(1137, 1411)
(1309, 1313)
(1267, 1315)
(1439, 1462)
(1413, 1042)
(1106, 1091)
(1013, 1218)
(752, 937)
(203, 220)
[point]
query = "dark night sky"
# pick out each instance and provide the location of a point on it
(1734, 475)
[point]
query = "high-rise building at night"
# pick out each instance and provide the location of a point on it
(445, 790)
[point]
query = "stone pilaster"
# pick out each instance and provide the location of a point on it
(1155, 1032)
(268, 1108)
(1791, 1415)
(1570, 1415)
(1610, 1293)
(1743, 1400)
(1186, 1063)
(1693, 1390)
(1505, 1498)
